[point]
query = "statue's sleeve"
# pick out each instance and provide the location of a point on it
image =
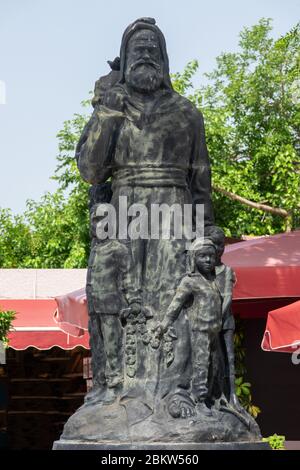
(200, 173)
(96, 145)
(183, 292)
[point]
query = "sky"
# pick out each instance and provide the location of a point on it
(52, 52)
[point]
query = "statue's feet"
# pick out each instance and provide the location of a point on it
(93, 394)
(203, 410)
(181, 407)
(105, 396)
(115, 381)
(235, 408)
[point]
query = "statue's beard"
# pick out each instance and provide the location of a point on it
(144, 77)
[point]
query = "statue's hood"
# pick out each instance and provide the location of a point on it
(145, 23)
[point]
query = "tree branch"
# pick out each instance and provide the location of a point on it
(254, 205)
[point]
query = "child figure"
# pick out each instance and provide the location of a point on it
(108, 264)
(205, 315)
(109, 292)
(225, 279)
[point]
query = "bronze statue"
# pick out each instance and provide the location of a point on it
(161, 330)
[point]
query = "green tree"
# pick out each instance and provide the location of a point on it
(53, 232)
(251, 106)
(15, 239)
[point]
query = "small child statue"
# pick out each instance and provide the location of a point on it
(205, 315)
(225, 279)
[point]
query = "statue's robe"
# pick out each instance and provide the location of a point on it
(153, 158)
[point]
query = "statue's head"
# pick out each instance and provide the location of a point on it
(143, 66)
(203, 253)
(144, 62)
(217, 235)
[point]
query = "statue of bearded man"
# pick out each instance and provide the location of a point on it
(145, 135)
(151, 142)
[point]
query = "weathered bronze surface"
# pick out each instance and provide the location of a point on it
(161, 325)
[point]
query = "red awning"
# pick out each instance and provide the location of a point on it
(267, 267)
(35, 326)
(72, 313)
(282, 332)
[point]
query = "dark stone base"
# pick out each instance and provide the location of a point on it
(82, 445)
(132, 421)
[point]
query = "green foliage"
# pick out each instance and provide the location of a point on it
(251, 107)
(183, 81)
(276, 442)
(60, 230)
(242, 388)
(15, 239)
(66, 172)
(53, 232)
(6, 319)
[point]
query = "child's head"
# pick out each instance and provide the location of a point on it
(217, 235)
(204, 253)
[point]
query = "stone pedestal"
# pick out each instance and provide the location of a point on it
(81, 445)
